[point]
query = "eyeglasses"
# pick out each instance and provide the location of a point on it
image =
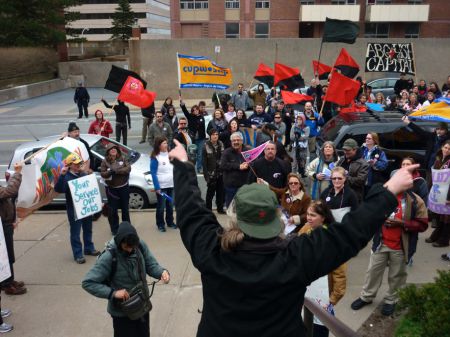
(337, 178)
(294, 183)
(277, 117)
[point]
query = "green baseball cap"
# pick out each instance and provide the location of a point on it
(256, 211)
(350, 144)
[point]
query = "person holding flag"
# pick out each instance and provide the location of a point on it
(122, 117)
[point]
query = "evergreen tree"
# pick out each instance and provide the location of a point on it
(123, 19)
(35, 22)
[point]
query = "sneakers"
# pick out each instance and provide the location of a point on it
(80, 260)
(445, 257)
(161, 229)
(14, 290)
(5, 327)
(142, 142)
(358, 304)
(93, 253)
(173, 226)
(387, 309)
(5, 313)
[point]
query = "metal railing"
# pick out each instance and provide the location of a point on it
(336, 327)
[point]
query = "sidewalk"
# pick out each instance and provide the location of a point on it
(57, 306)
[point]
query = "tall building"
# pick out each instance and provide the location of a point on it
(153, 17)
(305, 18)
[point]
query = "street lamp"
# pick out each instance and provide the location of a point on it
(82, 32)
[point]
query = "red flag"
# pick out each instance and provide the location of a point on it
(288, 78)
(342, 90)
(264, 74)
(346, 64)
(292, 98)
(321, 69)
(133, 92)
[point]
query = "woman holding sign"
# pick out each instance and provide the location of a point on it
(115, 170)
(73, 169)
(441, 234)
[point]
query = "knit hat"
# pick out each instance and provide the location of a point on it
(72, 127)
(442, 125)
(256, 211)
(350, 144)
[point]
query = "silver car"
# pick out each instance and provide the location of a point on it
(141, 184)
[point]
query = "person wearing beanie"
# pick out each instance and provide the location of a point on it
(81, 99)
(254, 280)
(132, 261)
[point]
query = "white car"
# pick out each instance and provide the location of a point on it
(141, 184)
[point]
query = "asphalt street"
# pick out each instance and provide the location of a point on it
(49, 115)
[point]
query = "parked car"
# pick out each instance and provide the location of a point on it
(141, 185)
(396, 139)
(384, 85)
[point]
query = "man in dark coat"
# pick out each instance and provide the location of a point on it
(253, 280)
(81, 99)
(8, 197)
(122, 117)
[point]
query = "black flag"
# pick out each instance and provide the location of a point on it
(340, 31)
(117, 78)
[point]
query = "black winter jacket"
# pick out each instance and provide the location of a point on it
(258, 289)
(229, 163)
(211, 160)
(196, 123)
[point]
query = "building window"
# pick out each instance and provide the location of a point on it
(412, 30)
(343, 2)
(415, 1)
(378, 2)
(232, 30)
(376, 30)
(193, 4)
(306, 2)
(262, 30)
(262, 4)
(231, 4)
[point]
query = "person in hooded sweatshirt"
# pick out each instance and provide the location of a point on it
(100, 126)
(132, 255)
(115, 170)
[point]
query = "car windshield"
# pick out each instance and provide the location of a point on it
(100, 148)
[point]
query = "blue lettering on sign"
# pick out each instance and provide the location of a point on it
(205, 71)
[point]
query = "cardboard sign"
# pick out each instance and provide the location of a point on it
(390, 57)
(318, 292)
(437, 198)
(5, 271)
(86, 196)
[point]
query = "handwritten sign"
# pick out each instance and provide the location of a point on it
(5, 271)
(86, 196)
(318, 292)
(390, 57)
(437, 198)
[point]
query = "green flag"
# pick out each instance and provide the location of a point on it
(340, 31)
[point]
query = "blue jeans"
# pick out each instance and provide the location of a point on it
(230, 192)
(161, 204)
(118, 198)
(75, 231)
(199, 163)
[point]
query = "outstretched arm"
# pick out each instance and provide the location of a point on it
(198, 225)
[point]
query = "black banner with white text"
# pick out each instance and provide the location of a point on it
(390, 57)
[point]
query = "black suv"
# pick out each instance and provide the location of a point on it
(396, 139)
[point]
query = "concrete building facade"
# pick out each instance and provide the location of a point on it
(305, 18)
(153, 18)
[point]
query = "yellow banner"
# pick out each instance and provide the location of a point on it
(200, 72)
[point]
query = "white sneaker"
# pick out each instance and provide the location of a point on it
(5, 327)
(5, 313)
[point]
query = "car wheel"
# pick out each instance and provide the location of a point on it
(138, 199)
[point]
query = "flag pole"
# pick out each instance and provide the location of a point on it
(249, 87)
(316, 70)
(321, 109)
(41, 150)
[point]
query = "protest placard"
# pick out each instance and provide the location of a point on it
(5, 271)
(437, 198)
(86, 196)
(390, 57)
